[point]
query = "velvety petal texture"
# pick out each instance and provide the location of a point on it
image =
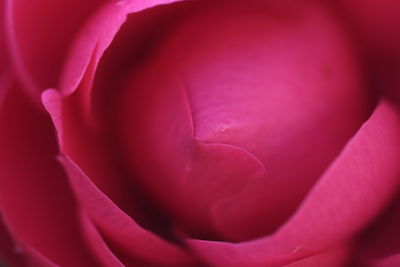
(348, 196)
(134, 244)
(39, 35)
(270, 80)
(172, 133)
(35, 196)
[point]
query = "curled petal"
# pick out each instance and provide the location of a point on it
(35, 197)
(361, 180)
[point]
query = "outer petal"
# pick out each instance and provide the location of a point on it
(40, 33)
(136, 245)
(9, 252)
(273, 79)
(381, 241)
(376, 24)
(96, 36)
(333, 257)
(35, 197)
(352, 191)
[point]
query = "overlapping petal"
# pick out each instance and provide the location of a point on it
(34, 194)
(138, 245)
(349, 195)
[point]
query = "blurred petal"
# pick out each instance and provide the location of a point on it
(332, 257)
(392, 261)
(381, 240)
(9, 250)
(357, 185)
(40, 33)
(96, 36)
(119, 229)
(35, 196)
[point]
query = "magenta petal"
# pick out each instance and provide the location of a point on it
(39, 34)
(333, 257)
(35, 197)
(215, 171)
(97, 35)
(118, 227)
(392, 261)
(9, 252)
(349, 195)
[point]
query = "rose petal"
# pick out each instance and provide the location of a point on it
(352, 191)
(392, 261)
(97, 35)
(121, 230)
(9, 252)
(139, 244)
(333, 257)
(35, 197)
(382, 239)
(40, 33)
(285, 87)
(93, 152)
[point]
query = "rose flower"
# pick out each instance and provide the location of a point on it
(199, 133)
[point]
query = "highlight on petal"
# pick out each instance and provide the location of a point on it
(337, 256)
(272, 79)
(43, 35)
(97, 35)
(353, 190)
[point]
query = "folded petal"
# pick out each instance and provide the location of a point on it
(35, 196)
(138, 244)
(353, 190)
(39, 35)
(122, 232)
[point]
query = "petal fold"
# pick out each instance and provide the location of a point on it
(353, 190)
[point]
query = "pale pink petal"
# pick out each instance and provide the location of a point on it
(354, 189)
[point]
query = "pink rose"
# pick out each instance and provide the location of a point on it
(199, 133)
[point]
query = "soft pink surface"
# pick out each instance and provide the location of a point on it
(354, 189)
(273, 89)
